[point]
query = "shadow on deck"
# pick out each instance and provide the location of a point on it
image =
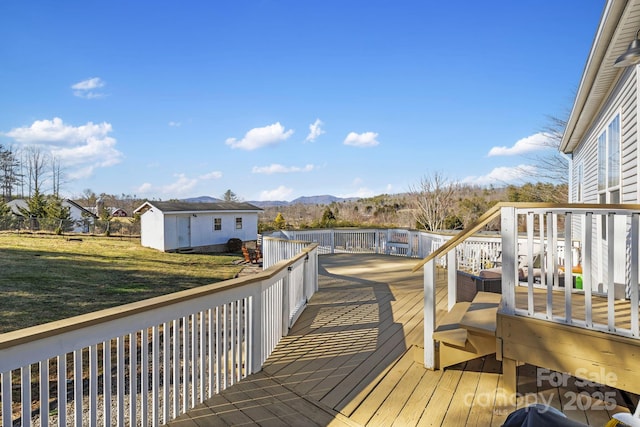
(354, 357)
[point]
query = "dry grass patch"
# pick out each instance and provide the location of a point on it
(45, 278)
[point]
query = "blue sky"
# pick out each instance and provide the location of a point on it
(280, 99)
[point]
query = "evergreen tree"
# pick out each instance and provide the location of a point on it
(230, 196)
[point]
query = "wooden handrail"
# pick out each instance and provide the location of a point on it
(484, 219)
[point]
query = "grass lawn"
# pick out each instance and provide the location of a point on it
(45, 278)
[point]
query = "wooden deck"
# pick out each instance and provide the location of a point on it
(353, 358)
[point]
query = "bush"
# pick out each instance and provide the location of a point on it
(234, 245)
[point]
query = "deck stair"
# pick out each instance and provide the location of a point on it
(468, 330)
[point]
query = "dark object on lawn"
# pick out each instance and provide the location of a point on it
(234, 245)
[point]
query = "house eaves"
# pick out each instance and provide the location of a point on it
(619, 23)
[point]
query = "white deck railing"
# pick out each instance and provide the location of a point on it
(606, 238)
(602, 265)
(148, 362)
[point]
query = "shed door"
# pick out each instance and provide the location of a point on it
(184, 232)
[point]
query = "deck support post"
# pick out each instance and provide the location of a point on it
(429, 314)
(509, 378)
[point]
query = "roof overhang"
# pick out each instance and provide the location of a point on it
(618, 26)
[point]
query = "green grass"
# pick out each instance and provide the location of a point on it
(46, 278)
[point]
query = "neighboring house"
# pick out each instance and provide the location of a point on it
(601, 135)
(113, 211)
(81, 217)
(170, 226)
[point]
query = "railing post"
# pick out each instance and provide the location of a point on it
(256, 330)
(509, 221)
(286, 281)
(429, 314)
(333, 241)
(452, 279)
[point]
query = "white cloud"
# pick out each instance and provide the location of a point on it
(315, 130)
(211, 175)
(144, 188)
(277, 168)
(366, 139)
(181, 186)
(86, 88)
(175, 124)
(79, 148)
(280, 193)
(261, 137)
(535, 142)
(502, 175)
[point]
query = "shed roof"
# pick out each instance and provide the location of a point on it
(168, 207)
(618, 26)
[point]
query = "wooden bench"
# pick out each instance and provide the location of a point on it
(468, 331)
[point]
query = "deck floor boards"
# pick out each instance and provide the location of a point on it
(353, 358)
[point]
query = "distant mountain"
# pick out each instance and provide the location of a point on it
(321, 200)
(306, 200)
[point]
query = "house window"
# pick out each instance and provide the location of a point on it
(609, 166)
(217, 224)
(238, 223)
(609, 162)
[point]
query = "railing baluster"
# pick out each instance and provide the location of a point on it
(611, 308)
(106, 384)
(176, 368)
(77, 387)
(44, 393)
(530, 265)
(551, 263)
(144, 376)
(25, 396)
(185, 364)
(93, 385)
(7, 400)
(587, 272)
(203, 355)
(120, 393)
(166, 367)
(568, 267)
(193, 348)
(633, 276)
(133, 376)
(155, 378)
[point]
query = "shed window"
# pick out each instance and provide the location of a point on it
(238, 223)
(217, 224)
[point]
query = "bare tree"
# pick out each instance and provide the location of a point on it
(57, 175)
(36, 161)
(9, 172)
(433, 199)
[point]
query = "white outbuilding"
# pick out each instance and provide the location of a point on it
(202, 227)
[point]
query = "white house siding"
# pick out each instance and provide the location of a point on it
(152, 230)
(623, 101)
(203, 234)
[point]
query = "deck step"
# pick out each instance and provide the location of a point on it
(449, 329)
(468, 330)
